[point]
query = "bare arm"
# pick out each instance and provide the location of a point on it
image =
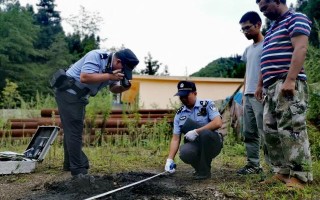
(117, 88)
(174, 146)
(99, 78)
(300, 45)
(258, 92)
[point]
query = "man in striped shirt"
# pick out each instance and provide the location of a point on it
(283, 81)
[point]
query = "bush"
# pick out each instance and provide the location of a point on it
(312, 66)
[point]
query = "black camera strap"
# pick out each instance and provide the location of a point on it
(108, 64)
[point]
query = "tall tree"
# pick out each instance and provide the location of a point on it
(312, 9)
(84, 38)
(17, 36)
(152, 66)
(85, 23)
(49, 21)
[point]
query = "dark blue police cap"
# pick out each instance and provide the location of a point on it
(185, 87)
(129, 61)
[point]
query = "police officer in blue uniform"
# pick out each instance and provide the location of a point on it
(199, 121)
(96, 70)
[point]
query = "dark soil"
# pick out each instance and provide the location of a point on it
(179, 185)
(161, 187)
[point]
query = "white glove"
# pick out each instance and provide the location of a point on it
(191, 135)
(170, 166)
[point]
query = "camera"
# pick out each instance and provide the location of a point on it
(125, 82)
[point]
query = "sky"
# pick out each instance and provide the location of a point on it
(184, 35)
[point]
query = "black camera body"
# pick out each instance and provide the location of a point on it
(125, 82)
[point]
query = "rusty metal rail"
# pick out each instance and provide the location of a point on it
(115, 124)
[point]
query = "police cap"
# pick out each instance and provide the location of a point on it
(185, 87)
(129, 61)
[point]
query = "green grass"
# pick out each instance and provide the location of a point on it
(147, 149)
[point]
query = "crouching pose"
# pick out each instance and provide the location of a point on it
(198, 120)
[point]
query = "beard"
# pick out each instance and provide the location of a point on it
(249, 37)
(272, 15)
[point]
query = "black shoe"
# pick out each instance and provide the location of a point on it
(195, 173)
(67, 167)
(249, 170)
(82, 177)
(202, 176)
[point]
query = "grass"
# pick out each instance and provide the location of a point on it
(119, 154)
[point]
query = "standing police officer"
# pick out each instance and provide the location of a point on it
(97, 69)
(198, 120)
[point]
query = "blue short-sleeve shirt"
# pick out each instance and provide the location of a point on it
(195, 114)
(91, 63)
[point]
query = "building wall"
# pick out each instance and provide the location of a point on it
(158, 91)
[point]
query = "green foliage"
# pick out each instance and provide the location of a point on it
(312, 67)
(231, 67)
(311, 9)
(49, 21)
(10, 95)
(33, 45)
(39, 102)
(83, 39)
(101, 103)
(99, 106)
(117, 155)
(17, 35)
(314, 139)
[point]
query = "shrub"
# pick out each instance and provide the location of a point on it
(312, 65)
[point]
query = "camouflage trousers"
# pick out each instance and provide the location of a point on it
(284, 124)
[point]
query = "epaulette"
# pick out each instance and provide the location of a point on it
(204, 103)
(179, 110)
(103, 55)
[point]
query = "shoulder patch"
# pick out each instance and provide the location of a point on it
(213, 108)
(103, 55)
(179, 110)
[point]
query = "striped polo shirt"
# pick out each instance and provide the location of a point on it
(277, 48)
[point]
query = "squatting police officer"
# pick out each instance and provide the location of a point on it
(198, 120)
(97, 69)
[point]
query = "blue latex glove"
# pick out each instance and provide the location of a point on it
(191, 135)
(170, 166)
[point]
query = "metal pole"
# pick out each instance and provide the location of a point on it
(127, 186)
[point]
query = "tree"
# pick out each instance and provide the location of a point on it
(85, 23)
(17, 36)
(152, 66)
(231, 67)
(49, 21)
(312, 10)
(9, 95)
(83, 39)
(165, 71)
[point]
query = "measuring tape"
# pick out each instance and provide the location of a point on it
(127, 186)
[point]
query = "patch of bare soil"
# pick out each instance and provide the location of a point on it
(177, 186)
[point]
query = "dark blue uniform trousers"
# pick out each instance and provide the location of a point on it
(72, 112)
(199, 153)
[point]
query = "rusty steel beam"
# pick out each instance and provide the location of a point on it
(50, 112)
